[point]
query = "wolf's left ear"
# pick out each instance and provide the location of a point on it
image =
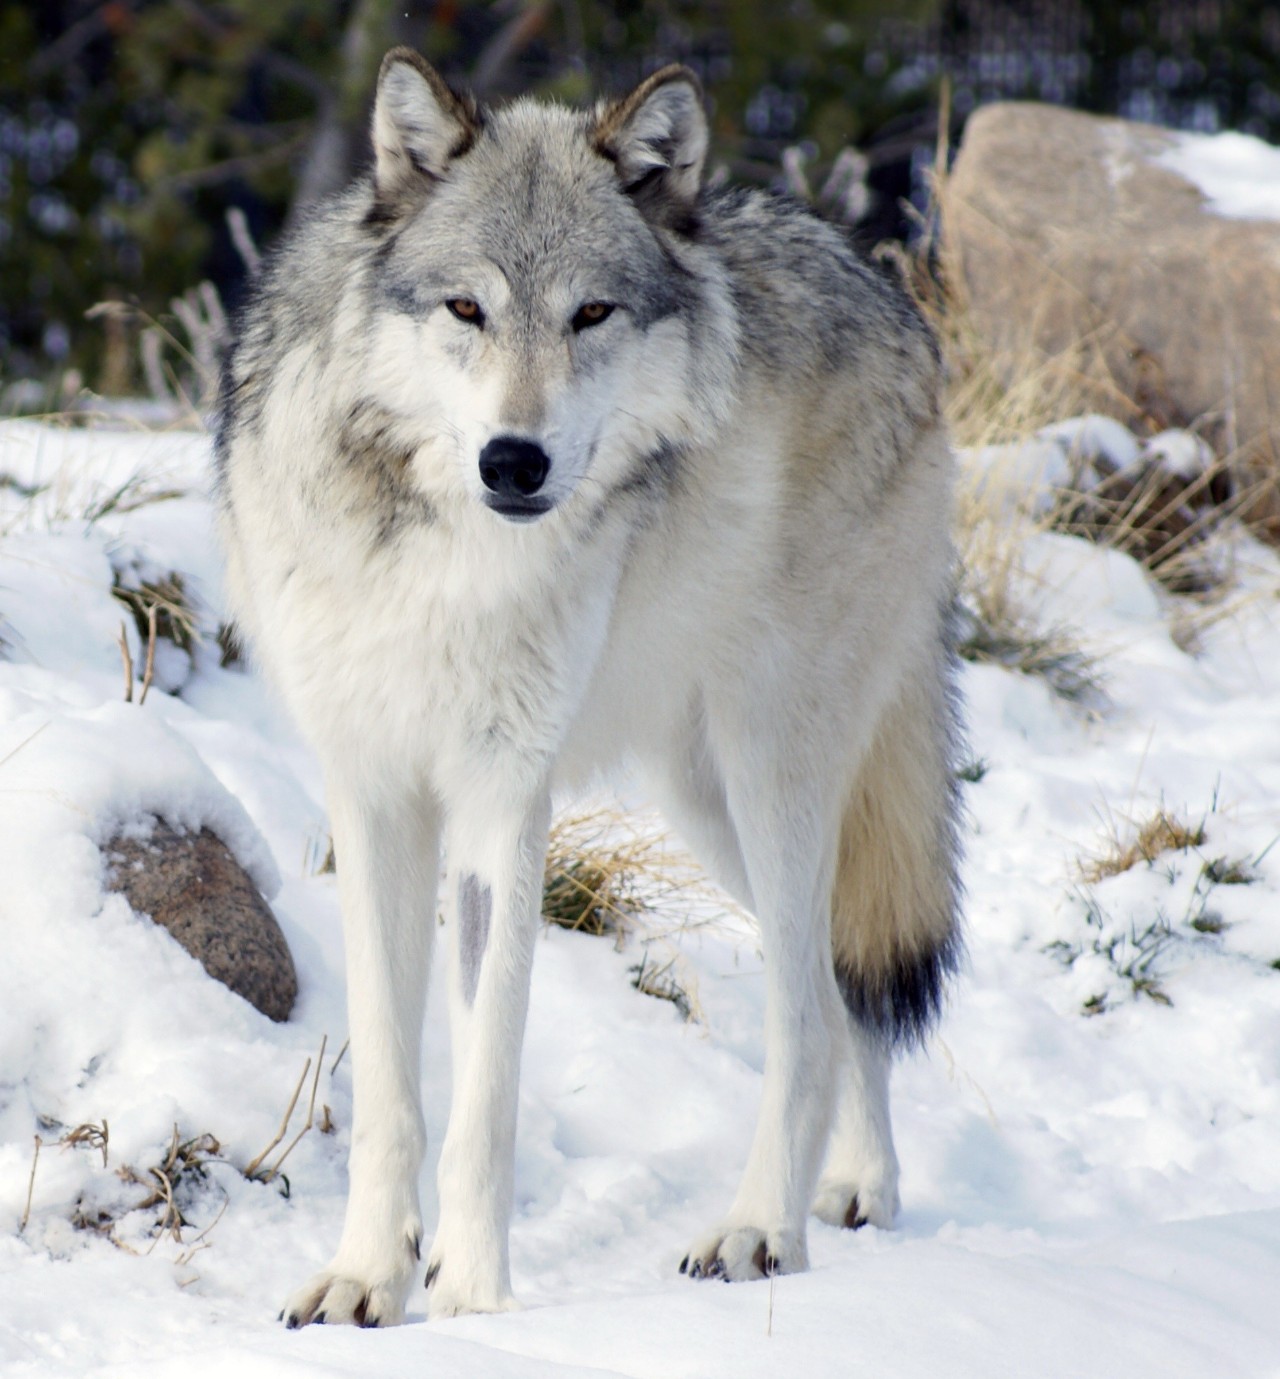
(657, 137)
(419, 125)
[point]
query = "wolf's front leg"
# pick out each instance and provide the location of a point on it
(496, 858)
(388, 855)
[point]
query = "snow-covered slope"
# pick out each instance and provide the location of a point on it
(1090, 1144)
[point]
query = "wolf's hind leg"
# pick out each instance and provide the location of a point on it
(859, 1182)
(776, 798)
(895, 933)
(387, 847)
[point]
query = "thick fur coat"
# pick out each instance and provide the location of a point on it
(537, 456)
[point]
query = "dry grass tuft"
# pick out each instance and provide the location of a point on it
(1052, 654)
(229, 646)
(994, 622)
(182, 1171)
(177, 1185)
(1231, 871)
(166, 601)
(92, 1134)
(604, 872)
(1162, 832)
(608, 873)
(76, 490)
(658, 979)
(1140, 948)
(1165, 522)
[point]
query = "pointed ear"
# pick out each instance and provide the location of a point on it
(419, 125)
(657, 136)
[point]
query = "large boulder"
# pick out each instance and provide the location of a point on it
(1072, 241)
(191, 885)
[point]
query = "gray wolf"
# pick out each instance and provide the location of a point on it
(537, 455)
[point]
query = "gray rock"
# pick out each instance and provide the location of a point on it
(1071, 242)
(191, 885)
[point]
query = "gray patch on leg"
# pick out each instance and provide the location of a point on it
(475, 905)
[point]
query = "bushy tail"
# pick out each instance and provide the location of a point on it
(895, 905)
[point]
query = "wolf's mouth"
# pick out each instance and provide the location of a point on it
(516, 510)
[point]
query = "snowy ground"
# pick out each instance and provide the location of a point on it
(1084, 1194)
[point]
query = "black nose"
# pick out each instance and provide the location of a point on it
(513, 468)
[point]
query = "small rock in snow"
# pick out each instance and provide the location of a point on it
(191, 885)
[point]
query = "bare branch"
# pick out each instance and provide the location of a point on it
(251, 1169)
(311, 1113)
(250, 254)
(242, 165)
(150, 668)
(31, 1183)
(127, 658)
(508, 43)
(68, 44)
(298, 74)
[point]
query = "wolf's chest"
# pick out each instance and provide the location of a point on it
(437, 645)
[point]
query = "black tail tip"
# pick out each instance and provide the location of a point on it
(903, 1004)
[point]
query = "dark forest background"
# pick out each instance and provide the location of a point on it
(146, 144)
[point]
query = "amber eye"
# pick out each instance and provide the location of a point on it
(592, 314)
(466, 309)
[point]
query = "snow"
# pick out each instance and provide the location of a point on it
(1238, 174)
(1083, 1193)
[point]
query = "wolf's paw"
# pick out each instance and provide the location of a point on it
(840, 1202)
(331, 1297)
(357, 1296)
(746, 1252)
(454, 1293)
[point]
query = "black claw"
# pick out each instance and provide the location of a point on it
(415, 1242)
(280, 1315)
(361, 1310)
(770, 1265)
(705, 1268)
(320, 1318)
(761, 1259)
(432, 1271)
(684, 1265)
(852, 1219)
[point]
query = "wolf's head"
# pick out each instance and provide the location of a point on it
(544, 319)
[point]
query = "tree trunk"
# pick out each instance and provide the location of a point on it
(337, 143)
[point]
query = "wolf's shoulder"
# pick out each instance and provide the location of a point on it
(799, 274)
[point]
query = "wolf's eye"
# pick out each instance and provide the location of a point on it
(592, 314)
(465, 309)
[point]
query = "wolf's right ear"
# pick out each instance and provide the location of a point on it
(657, 137)
(419, 126)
